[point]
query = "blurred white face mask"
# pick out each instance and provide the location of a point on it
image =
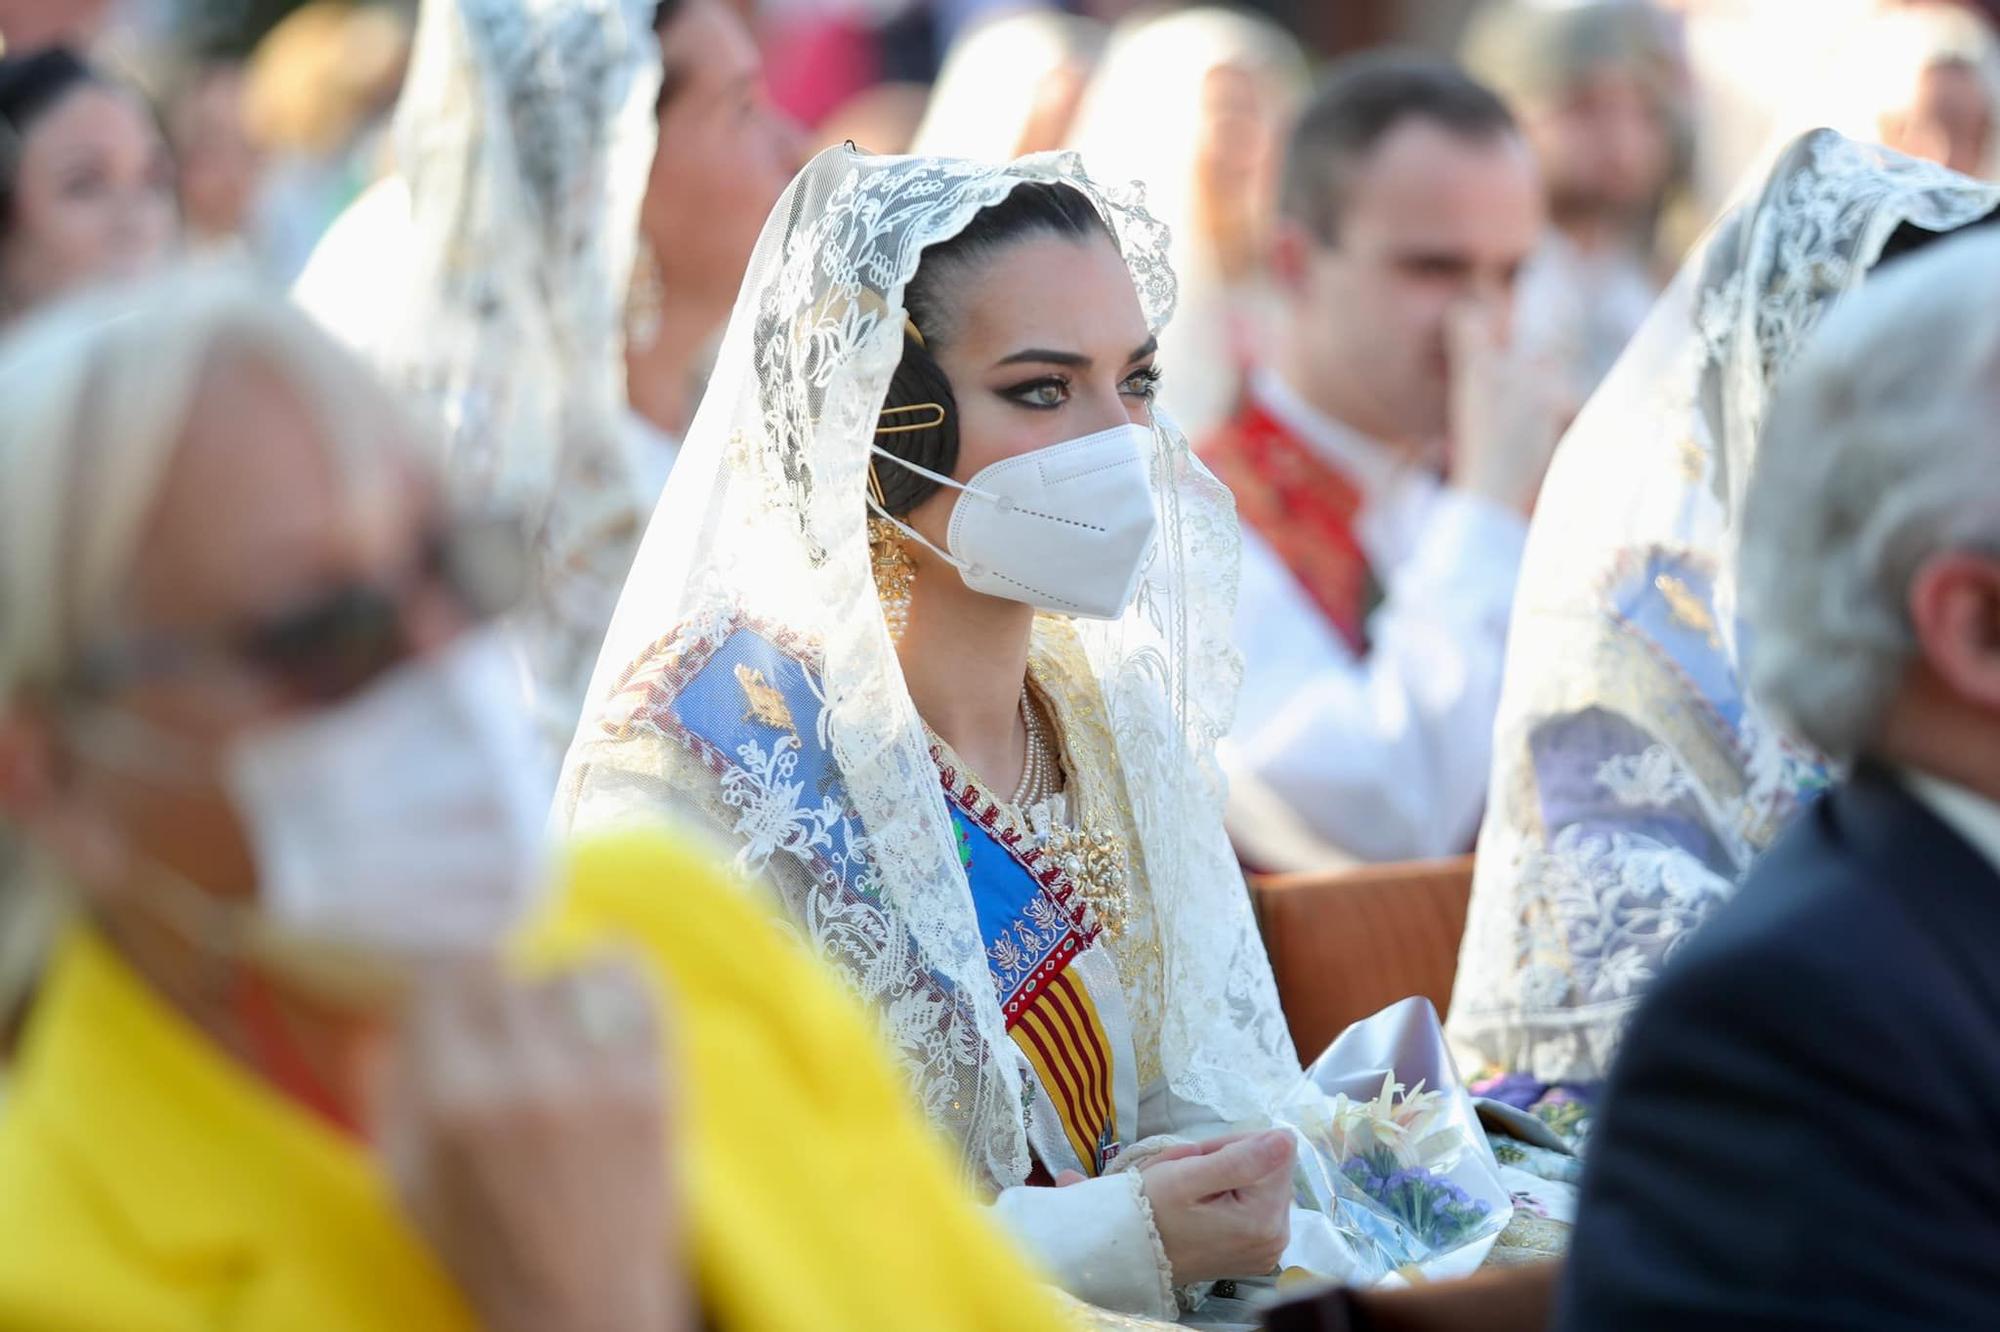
(407, 819)
(1068, 528)
(401, 824)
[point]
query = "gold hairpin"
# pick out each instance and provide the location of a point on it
(910, 325)
(933, 423)
(875, 489)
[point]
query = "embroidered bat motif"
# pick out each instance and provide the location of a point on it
(767, 705)
(1687, 608)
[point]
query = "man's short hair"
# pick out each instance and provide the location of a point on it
(1359, 102)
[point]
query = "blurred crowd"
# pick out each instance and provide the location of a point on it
(1485, 443)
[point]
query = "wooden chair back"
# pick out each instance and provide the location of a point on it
(1348, 943)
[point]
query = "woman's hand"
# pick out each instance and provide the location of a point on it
(1223, 1208)
(525, 1130)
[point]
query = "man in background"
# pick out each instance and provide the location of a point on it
(1383, 460)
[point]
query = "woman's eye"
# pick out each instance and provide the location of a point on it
(1041, 393)
(1142, 384)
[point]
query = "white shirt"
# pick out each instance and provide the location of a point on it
(1335, 757)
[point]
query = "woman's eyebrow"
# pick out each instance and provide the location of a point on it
(1046, 356)
(1073, 360)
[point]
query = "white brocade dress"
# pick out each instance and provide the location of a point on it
(749, 683)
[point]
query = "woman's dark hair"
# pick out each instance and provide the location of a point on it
(665, 14)
(29, 86)
(1036, 208)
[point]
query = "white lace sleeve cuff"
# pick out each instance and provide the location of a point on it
(1098, 1241)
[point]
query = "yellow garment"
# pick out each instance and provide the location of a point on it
(821, 1200)
(148, 1182)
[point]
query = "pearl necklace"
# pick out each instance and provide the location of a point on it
(1042, 773)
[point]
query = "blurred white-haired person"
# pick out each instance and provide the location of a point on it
(1196, 103)
(1820, 1067)
(290, 1055)
(1596, 88)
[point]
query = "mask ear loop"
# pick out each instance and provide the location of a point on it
(880, 508)
(877, 503)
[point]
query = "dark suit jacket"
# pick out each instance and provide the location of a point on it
(1803, 1126)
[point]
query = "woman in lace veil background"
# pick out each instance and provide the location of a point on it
(751, 681)
(1633, 780)
(1195, 103)
(488, 276)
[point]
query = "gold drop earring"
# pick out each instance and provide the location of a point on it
(894, 570)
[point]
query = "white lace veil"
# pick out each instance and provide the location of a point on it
(1141, 119)
(523, 139)
(488, 277)
(1632, 781)
(764, 515)
(990, 91)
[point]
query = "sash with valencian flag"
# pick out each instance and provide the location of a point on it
(746, 701)
(1305, 509)
(1035, 926)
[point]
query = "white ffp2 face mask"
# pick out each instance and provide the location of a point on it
(407, 821)
(1068, 528)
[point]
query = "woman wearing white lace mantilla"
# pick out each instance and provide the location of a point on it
(1633, 779)
(488, 277)
(932, 626)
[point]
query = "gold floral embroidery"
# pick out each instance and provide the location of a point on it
(1694, 461)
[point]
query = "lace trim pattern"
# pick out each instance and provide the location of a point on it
(1163, 1266)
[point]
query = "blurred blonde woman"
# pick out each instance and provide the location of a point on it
(328, 1040)
(1011, 85)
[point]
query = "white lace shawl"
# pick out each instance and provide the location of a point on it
(1142, 117)
(488, 277)
(764, 516)
(1631, 783)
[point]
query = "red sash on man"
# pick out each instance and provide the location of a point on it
(1304, 508)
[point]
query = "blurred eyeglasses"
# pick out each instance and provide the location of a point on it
(337, 643)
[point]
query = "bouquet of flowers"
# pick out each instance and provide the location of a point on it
(1400, 1171)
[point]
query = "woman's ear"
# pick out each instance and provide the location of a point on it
(1954, 606)
(38, 796)
(27, 777)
